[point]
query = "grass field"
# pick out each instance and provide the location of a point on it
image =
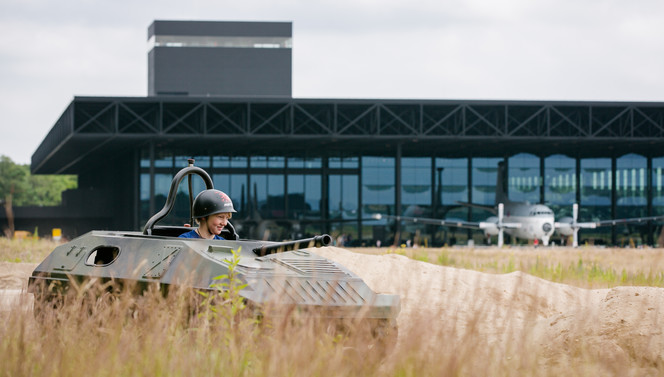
(149, 335)
(584, 267)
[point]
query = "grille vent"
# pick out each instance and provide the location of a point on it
(317, 292)
(310, 266)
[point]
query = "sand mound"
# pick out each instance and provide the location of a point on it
(619, 324)
(15, 275)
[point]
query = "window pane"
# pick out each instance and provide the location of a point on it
(229, 161)
(343, 197)
(270, 195)
(524, 178)
(235, 186)
(304, 195)
(485, 173)
(560, 180)
(378, 183)
(416, 182)
(306, 163)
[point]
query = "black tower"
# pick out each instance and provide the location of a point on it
(194, 58)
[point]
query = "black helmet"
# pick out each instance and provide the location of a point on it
(209, 202)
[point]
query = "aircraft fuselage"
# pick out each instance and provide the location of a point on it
(537, 221)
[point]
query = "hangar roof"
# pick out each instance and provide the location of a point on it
(93, 129)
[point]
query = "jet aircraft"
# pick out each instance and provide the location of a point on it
(521, 219)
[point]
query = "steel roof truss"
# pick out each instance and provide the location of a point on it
(94, 119)
(356, 119)
(525, 122)
(648, 120)
(438, 123)
(312, 118)
(398, 119)
(181, 119)
(137, 118)
(482, 119)
(266, 121)
(571, 122)
(224, 117)
(611, 121)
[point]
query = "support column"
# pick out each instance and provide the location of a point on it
(324, 206)
(151, 152)
(469, 231)
(136, 183)
(649, 227)
(360, 210)
(397, 191)
(614, 193)
(577, 179)
(542, 176)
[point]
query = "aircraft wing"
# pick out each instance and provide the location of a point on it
(424, 220)
(491, 209)
(632, 220)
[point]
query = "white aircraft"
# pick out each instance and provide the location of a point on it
(521, 219)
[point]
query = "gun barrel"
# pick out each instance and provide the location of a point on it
(317, 241)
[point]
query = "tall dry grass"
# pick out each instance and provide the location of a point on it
(96, 334)
(29, 250)
(151, 335)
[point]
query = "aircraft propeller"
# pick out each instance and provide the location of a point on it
(566, 225)
(499, 225)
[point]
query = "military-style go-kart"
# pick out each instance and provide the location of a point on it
(276, 273)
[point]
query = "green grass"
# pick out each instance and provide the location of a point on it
(29, 250)
(589, 272)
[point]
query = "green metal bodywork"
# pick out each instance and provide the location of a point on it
(299, 277)
(276, 274)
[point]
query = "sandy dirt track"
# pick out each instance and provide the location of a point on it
(623, 323)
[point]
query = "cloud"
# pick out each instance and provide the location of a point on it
(472, 49)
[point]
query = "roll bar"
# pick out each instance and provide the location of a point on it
(170, 200)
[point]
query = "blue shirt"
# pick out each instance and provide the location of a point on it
(194, 234)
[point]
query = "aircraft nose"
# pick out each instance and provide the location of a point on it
(546, 227)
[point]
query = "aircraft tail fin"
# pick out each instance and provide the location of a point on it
(501, 184)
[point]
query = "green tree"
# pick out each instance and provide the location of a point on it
(19, 188)
(46, 190)
(12, 181)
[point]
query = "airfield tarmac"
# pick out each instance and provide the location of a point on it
(621, 325)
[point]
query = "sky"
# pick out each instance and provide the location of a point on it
(569, 50)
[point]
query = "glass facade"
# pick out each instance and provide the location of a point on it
(524, 178)
(631, 197)
(338, 195)
(657, 183)
(378, 185)
(416, 184)
(559, 181)
(595, 188)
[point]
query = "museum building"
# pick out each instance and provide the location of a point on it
(221, 93)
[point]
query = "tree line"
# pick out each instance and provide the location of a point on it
(20, 188)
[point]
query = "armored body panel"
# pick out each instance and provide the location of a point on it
(299, 277)
(275, 273)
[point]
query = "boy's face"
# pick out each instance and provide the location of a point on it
(217, 222)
